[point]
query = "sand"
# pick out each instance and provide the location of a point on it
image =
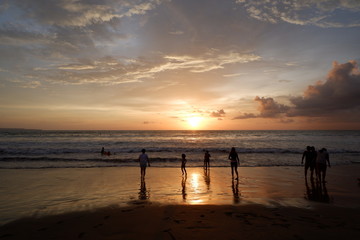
(192, 222)
(266, 203)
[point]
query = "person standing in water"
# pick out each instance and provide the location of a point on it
(234, 160)
(207, 159)
(103, 152)
(321, 160)
(183, 163)
(144, 161)
(309, 156)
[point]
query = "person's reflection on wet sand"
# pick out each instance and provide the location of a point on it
(143, 193)
(207, 177)
(235, 190)
(183, 185)
(317, 192)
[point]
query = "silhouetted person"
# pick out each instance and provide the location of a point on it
(103, 152)
(313, 161)
(183, 163)
(207, 159)
(144, 161)
(234, 161)
(321, 159)
(309, 161)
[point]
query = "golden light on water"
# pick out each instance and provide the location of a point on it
(195, 182)
(195, 187)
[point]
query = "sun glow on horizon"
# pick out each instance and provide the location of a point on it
(195, 122)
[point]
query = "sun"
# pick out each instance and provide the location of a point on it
(194, 122)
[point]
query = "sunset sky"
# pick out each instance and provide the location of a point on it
(180, 64)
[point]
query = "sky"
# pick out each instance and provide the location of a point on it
(180, 64)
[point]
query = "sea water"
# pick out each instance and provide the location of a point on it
(34, 149)
(53, 172)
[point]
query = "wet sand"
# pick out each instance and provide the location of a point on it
(266, 203)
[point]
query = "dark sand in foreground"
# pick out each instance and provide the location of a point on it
(192, 222)
(313, 218)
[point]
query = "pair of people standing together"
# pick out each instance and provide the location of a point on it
(316, 160)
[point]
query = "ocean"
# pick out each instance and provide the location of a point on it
(37, 149)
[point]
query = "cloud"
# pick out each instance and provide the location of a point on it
(81, 13)
(67, 28)
(148, 122)
(340, 91)
(65, 13)
(268, 108)
(218, 114)
(111, 71)
(234, 75)
(59, 35)
(246, 116)
(141, 8)
(325, 13)
(178, 32)
(208, 62)
(286, 120)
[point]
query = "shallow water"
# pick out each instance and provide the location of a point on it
(38, 192)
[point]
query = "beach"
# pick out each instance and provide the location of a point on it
(113, 203)
(192, 222)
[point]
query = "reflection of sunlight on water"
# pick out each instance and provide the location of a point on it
(195, 189)
(196, 201)
(195, 182)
